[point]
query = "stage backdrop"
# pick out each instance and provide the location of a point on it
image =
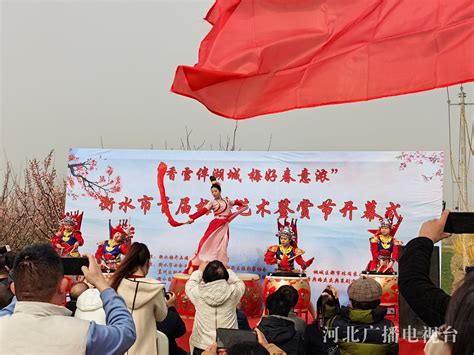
(336, 196)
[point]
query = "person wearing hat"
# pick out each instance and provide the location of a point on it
(69, 238)
(76, 290)
(110, 252)
(89, 306)
(287, 252)
(362, 328)
(384, 246)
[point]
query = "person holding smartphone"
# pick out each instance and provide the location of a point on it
(39, 322)
(454, 314)
(215, 292)
(427, 300)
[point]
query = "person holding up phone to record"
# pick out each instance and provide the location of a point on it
(215, 292)
(454, 314)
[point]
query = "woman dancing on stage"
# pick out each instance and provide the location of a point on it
(213, 244)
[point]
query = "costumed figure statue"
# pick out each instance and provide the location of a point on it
(287, 252)
(384, 246)
(110, 252)
(69, 238)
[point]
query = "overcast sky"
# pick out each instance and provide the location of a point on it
(76, 71)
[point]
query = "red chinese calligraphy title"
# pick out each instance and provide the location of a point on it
(304, 176)
(284, 208)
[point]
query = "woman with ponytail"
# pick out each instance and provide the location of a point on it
(145, 297)
(213, 244)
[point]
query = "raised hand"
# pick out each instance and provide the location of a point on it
(93, 274)
(171, 300)
(434, 229)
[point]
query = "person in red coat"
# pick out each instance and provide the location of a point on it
(384, 246)
(110, 252)
(69, 238)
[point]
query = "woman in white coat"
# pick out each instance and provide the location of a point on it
(145, 297)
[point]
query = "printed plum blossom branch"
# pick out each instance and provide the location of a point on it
(96, 188)
(421, 158)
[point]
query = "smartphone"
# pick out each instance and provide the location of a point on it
(72, 266)
(460, 223)
(226, 338)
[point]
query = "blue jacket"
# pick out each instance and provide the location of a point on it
(114, 338)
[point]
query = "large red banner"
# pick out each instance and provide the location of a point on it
(268, 56)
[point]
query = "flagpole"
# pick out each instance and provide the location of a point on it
(460, 171)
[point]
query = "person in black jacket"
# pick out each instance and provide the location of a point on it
(172, 326)
(315, 341)
(455, 314)
(278, 328)
(5, 293)
(427, 300)
(242, 320)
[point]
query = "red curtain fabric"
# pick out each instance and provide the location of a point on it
(267, 56)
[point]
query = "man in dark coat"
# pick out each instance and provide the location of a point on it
(278, 328)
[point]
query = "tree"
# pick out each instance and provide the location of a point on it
(30, 208)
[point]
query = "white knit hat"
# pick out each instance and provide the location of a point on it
(90, 307)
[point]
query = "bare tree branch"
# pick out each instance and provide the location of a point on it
(31, 206)
(234, 135)
(269, 142)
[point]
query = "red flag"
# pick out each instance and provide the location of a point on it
(269, 56)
